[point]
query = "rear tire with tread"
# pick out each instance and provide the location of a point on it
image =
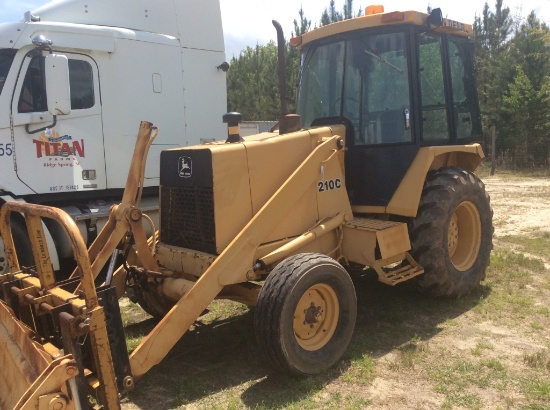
(306, 314)
(451, 236)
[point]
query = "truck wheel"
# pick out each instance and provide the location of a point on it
(451, 236)
(305, 314)
(153, 303)
(22, 246)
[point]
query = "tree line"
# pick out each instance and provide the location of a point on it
(512, 60)
(513, 83)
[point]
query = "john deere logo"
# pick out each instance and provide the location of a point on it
(185, 167)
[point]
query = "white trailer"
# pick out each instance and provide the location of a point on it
(125, 61)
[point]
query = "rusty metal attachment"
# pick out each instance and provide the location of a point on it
(61, 340)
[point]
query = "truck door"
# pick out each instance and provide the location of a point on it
(377, 99)
(365, 79)
(65, 153)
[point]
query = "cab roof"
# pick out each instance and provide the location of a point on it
(382, 20)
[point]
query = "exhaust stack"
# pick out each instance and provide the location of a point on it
(287, 122)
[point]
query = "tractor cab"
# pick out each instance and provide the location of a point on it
(399, 81)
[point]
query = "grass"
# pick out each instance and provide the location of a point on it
(538, 360)
(400, 337)
(536, 243)
(484, 171)
(537, 389)
(136, 323)
(489, 349)
(361, 370)
(480, 347)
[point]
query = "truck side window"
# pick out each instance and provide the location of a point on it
(321, 82)
(33, 92)
(81, 80)
(376, 89)
(465, 108)
(6, 58)
(434, 109)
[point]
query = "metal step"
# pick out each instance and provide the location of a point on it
(385, 248)
(401, 272)
(370, 224)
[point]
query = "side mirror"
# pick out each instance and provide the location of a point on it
(58, 89)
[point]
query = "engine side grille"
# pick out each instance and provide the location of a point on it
(187, 218)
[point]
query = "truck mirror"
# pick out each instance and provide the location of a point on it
(58, 90)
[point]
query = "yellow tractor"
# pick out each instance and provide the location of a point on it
(380, 175)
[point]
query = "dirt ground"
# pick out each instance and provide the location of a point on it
(520, 205)
(476, 353)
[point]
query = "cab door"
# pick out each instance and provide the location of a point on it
(63, 153)
(378, 101)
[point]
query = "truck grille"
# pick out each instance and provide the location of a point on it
(187, 218)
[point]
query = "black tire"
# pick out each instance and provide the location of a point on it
(451, 236)
(22, 246)
(154, 304)
(303, 341)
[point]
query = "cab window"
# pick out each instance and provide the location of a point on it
(6, 58)
(432, 89)
(363, 79)
(82, 84)
(377, 89)
(448, 113)
(33, 92)
(465, 108)
(321, 82)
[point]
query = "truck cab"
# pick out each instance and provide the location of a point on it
(401, 81)
(126, 63)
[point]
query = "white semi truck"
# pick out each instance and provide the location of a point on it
(76, 79)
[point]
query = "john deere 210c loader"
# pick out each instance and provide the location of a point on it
(380, 175)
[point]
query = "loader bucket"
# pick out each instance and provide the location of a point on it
(44, 324)
(22, 360)
(29, 377)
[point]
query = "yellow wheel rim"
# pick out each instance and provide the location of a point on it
(464, 236)
(316, 317)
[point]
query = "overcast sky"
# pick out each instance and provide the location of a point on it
(248, 22)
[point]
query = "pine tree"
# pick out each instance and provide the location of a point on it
(303, 27)
(331, 15)
(491, 34)
(526, 101)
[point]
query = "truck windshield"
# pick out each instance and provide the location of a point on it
(320, 90)
(364, 79)
(6, 58)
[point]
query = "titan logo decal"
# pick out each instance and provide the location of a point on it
(185, 167)
(51, 144)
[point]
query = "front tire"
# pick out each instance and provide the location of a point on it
(451, 236)
(154, 304)
(305, 314)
